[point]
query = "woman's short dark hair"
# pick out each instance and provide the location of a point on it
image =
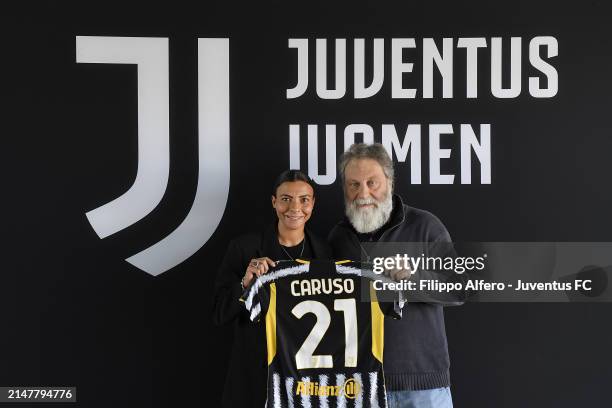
(290, 176)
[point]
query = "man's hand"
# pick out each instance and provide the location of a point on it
(398, 275)
(256, 267)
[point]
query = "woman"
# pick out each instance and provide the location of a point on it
(250, 256)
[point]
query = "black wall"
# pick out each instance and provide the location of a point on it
(75, 313)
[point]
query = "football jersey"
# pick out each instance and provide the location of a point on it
(325, 334)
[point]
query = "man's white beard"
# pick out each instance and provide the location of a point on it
(369, 219)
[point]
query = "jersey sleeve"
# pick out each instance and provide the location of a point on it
(392, 309)
(256, 299)
(391, 302)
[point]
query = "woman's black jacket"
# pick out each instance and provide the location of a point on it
(246, 381)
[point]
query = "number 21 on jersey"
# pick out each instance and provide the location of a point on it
(304, 358)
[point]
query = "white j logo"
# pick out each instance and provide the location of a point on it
(151, 57)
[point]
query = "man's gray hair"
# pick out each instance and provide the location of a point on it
(374, 151)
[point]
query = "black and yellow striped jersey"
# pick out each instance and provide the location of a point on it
(325, 334)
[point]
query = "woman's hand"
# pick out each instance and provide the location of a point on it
(256, 267)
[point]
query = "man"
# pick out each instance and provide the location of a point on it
(416, 361)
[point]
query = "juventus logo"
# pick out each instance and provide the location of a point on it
(151, 57)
